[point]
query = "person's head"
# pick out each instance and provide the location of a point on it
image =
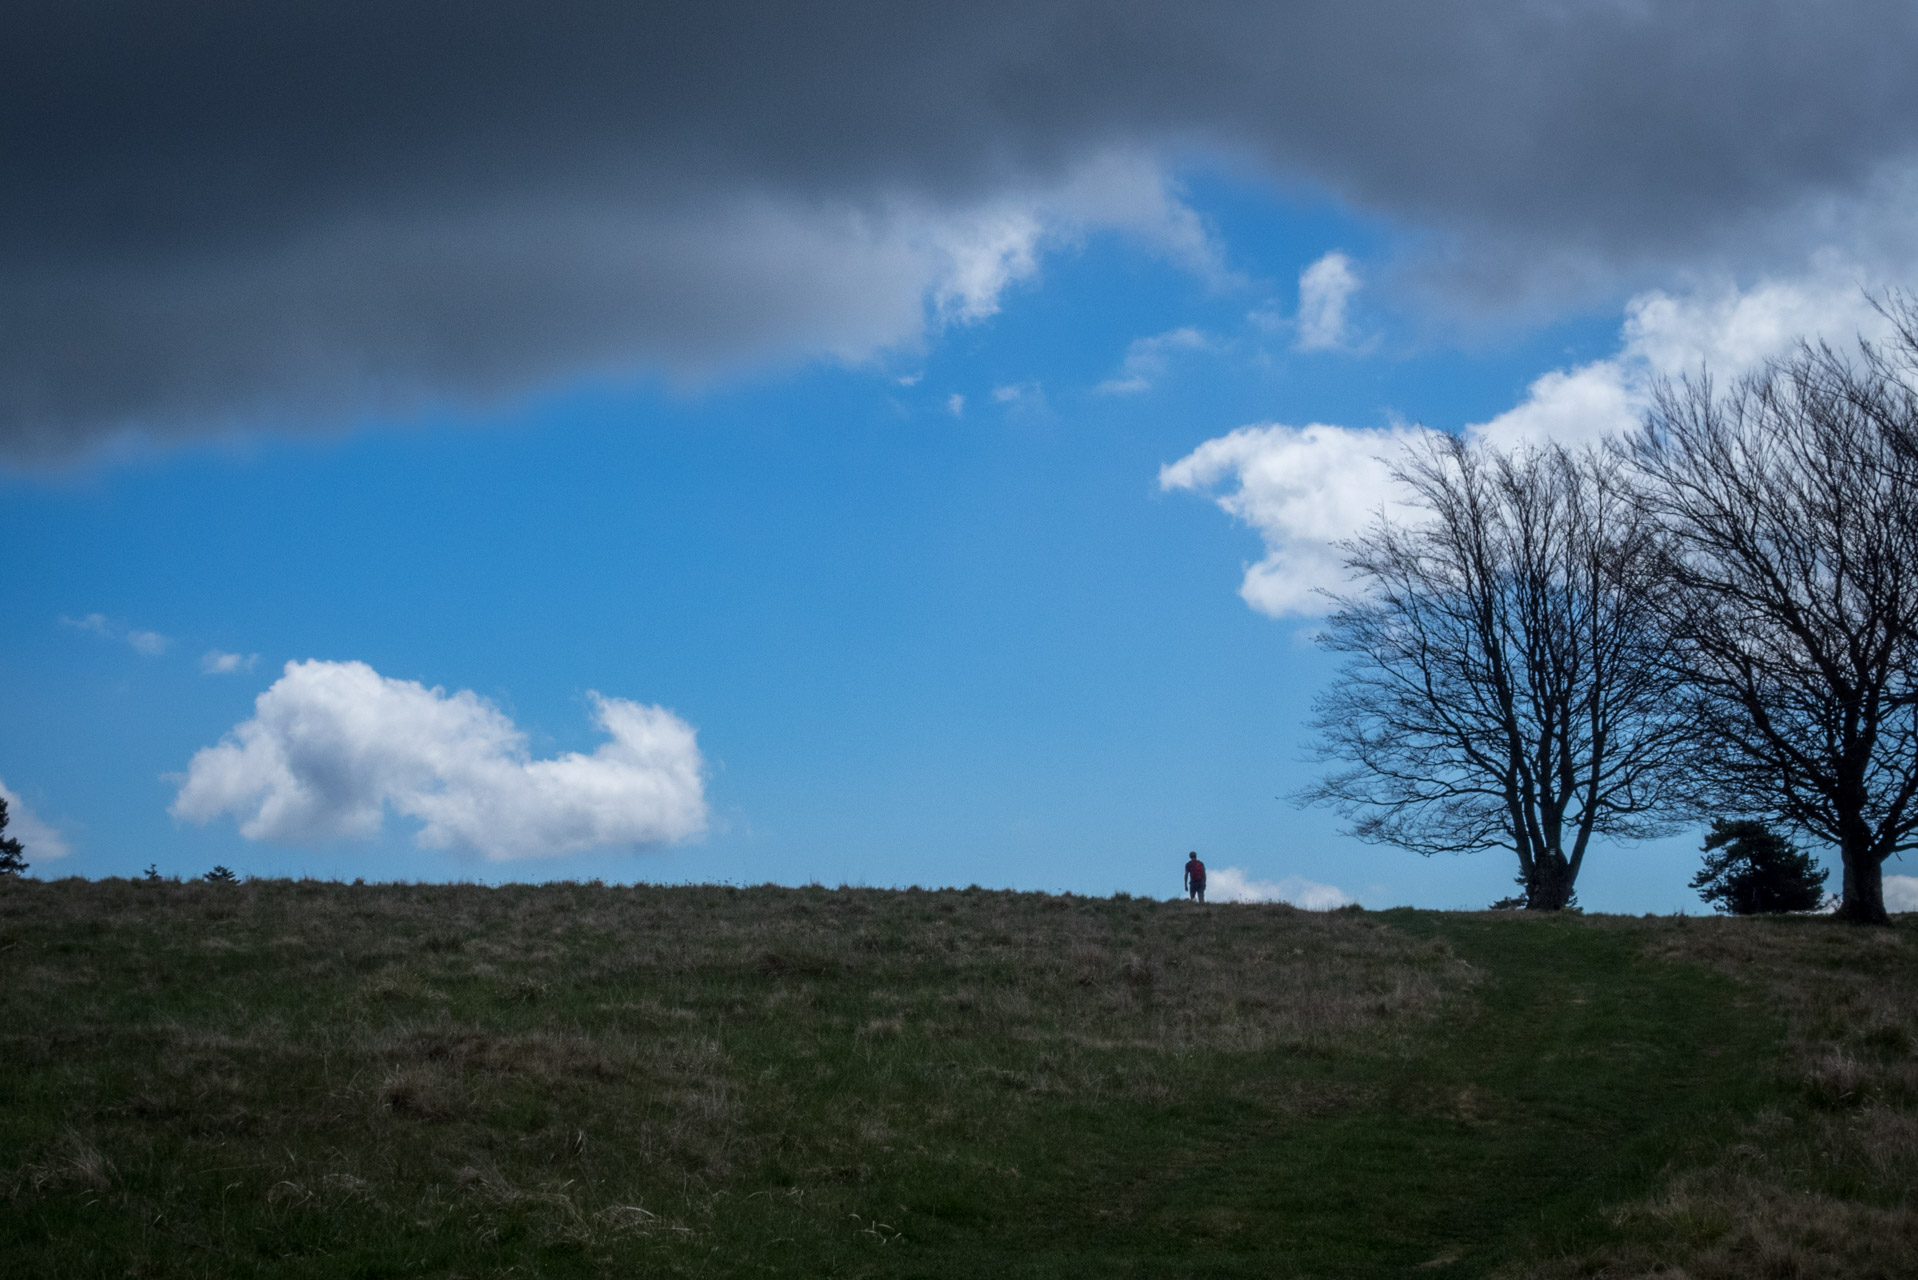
(1194, 855)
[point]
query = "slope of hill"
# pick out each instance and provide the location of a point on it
(313, 1079)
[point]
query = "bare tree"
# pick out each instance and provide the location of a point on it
(1791, 505)
(1502, 690)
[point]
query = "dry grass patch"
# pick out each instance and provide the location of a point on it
(70, 1162)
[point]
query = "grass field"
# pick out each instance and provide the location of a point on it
(313, 1079)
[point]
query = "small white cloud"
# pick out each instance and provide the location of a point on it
(333, 745)
(151, 643)
(956, 405)
(1232, 884)
(909, 379)
(1901, 893)
(215, 663)
(1021, 396)
(1268, 317)
(1129, 192)
(981, 252)
(985, 253)
(1325, 288)
(37, 839)
(1148, 359)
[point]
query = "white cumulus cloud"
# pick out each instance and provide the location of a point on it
(1233, 884)
(1325, 288)
(1728, 330)
(1304, 489)
(215, 663)
(37, 839)
(332, 746)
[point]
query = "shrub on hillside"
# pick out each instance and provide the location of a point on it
(1752, 870)
(11, 863)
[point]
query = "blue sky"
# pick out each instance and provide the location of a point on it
(920, 591)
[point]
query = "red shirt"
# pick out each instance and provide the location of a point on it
(1195, 873)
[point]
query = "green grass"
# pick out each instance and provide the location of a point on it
(306, 1079)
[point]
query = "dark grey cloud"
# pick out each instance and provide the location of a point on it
(220, 214)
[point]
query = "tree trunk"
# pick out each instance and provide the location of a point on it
(1864, 901)
(1551, 885)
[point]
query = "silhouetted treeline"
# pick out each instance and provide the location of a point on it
(1716, 617)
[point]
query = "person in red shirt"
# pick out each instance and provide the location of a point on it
(1195, 878)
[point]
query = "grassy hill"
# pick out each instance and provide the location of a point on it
(310, 1079)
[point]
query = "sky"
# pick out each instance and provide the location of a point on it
(851, 443)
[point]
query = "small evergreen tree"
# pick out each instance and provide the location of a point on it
(221, 875)
(11, 863)
(1752, 870)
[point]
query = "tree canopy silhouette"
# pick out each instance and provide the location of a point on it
(1502, 688)
(1789, 506)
